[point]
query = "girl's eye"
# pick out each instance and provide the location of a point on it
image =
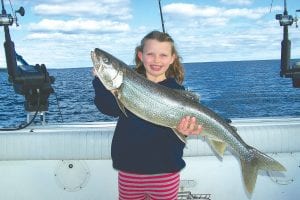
(149, 54)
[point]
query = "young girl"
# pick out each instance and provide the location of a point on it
(147, 156)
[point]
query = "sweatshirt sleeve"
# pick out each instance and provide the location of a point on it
(105, 100)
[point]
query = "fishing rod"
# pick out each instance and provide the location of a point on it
(286, 70)
(34, 82)
(161, 17)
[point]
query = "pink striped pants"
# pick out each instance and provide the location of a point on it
(148, 187)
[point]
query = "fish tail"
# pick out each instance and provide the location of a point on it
(253, 162)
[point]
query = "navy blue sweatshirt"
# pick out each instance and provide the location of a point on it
(139, 146)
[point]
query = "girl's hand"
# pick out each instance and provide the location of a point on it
(189, 126)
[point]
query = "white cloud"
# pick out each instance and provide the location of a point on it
(78, 26)
(246, 13)
(190, 10)
(237, 2)
(221, 45)
(118, 9)
(211, 33)
(186, 10)
(77, 17)
(64, 35)
(61, 50)
(68, 30)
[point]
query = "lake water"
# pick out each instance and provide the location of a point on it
(238, 89)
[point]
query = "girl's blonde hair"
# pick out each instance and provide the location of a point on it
(175, 70)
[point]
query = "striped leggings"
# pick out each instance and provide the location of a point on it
(148, 187)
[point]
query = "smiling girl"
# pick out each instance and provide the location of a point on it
(147, 156)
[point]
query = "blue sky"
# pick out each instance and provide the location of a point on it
(61, 33)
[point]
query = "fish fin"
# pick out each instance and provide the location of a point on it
(229, 123)
(249, 171)
(218, 146)
(193, 96)
(121, 106)
(180, 135)
(234, 128)
(227, 120)
(258, 161)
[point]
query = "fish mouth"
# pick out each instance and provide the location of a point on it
(94, 57)
(96, 61)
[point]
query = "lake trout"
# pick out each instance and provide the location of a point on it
(166, 107)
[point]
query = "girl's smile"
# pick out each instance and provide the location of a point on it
(155, 67)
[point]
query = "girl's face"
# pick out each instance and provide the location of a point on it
(157, 57)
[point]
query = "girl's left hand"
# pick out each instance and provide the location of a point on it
(189, 126)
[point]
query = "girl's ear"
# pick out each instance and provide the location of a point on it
(140, 55)
(173, 58)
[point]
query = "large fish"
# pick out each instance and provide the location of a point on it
(166, 107)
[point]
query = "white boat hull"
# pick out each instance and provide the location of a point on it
(72, 161)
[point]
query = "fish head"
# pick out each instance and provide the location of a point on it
(107, 68)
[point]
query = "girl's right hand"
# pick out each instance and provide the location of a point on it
(189, 126)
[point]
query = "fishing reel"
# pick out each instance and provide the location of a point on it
(288, 70)
(8, 19)
(296, 18)
(284, 19)
(34, 82)
(31, 81)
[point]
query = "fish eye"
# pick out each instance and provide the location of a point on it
(106, 60)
